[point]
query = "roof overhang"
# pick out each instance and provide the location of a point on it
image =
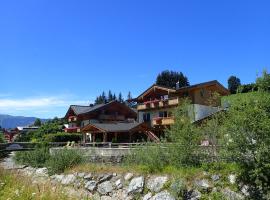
(154, 87)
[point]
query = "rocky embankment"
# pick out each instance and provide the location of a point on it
(128, 186)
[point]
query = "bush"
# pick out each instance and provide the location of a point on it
(247, 138)
(247, 88)
(63, 137)
(64, 159)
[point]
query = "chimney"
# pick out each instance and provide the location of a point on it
(177, 85)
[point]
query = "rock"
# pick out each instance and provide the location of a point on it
(231, 195)
(81, 175)
(244, 190)
(147, 196)
(114, 174)
(42, 171)
(163, 196)
(128, 176)
(88, 176)
(136, 185)
(232, 178)
(68, 179)
(121, 194)
(155, 184)
(119, 184)
(57, 177)
(202, 184)
(215, 177)
(105, 188)
(195, 195)
(106, 198)
(105, 177)
(91, 185)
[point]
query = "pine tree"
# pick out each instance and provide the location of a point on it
(170, 78)
(129, 97)
(114, 97)
(110, 96)
(120, 98)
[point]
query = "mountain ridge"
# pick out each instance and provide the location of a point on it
(9, 121)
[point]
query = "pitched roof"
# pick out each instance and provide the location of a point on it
(78, 110)
(157, 86)
(114, 127)
(199, 85)
(85, 109)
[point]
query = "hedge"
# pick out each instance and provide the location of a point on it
(63, 137)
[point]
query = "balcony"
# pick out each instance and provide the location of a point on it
(158, 103)
(72, 119)
(163, 121)
(73, 130)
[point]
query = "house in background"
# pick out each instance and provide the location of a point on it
(110, 122)
(155, 106)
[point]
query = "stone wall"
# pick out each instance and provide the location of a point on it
(129, 186)
(98, 154)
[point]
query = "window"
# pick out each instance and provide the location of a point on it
(163, 114)
(146, 117)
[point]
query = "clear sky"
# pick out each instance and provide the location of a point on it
(59, 52)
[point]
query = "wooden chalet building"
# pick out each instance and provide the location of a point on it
(111, 122)
(155, 105)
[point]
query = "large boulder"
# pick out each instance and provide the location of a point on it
(136, 185)
(163, 196)
(105, 188)
(155, 184)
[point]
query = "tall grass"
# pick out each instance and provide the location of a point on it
(15, 187)
(64, 159)
(56, 163)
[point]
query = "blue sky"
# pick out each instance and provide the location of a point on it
(59, 52)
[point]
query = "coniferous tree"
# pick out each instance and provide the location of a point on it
(170, 78)
(114, 97)
(110, 96)
(129, 96)
(120, 98)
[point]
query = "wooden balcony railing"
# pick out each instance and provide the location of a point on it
(72, 119)
(158, 103)
(163, 121)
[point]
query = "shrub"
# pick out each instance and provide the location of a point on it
(247, 138)
(64, 159)
(247, 88)
(63, 137)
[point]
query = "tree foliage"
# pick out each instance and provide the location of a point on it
(104, 98)
(263, 82)
(233, 84)
(170, 78)
(37, 122)
(247, 138)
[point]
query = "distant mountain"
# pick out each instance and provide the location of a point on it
(8, 121)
